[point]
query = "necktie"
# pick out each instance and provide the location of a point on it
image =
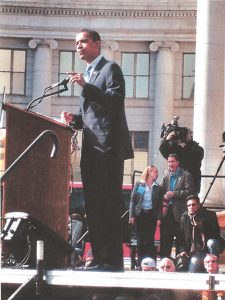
(87, 73)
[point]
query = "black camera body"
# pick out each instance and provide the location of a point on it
(180, 132)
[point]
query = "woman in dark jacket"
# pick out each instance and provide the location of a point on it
(146, 211)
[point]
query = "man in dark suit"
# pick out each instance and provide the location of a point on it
(105, 146)
(177, 185)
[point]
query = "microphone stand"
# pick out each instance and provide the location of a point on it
(33, 103)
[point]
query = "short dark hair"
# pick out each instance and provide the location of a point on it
(193, 197)
(175, 156)
(94, 35)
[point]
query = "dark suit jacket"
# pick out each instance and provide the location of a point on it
(183, 188)
(190, 155)
(137, 200)
(102, 115)
(208, 224)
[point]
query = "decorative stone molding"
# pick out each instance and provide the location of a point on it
(154, 46)
(53, 44)
(113, 45)
(124, 13)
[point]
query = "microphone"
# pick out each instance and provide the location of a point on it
(62, 82)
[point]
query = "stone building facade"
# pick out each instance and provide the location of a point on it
(155, 44)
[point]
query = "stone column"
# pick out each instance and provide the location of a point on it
(164, 95)
(42, 71)
(108, 47)
(209, 92)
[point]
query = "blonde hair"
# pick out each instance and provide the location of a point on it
(146, 172)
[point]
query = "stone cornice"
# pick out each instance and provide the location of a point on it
(50, 11)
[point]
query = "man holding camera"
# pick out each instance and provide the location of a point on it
(190, 153)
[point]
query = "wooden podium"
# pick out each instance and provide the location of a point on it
(37, 185)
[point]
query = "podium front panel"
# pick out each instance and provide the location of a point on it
(38, 185)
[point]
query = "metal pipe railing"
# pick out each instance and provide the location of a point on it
(24, 153)
(30, 147)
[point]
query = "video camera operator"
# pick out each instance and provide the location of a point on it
(179, 140)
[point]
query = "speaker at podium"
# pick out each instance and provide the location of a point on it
(20, 234)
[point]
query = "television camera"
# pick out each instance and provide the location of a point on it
(173, 126)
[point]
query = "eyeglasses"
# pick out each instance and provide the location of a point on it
(165, 267)
(191, 205)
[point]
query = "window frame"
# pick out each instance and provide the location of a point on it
(62, 75)
(187, 76)
(135, 75)
(134, 135)
(12, 73)
(131, 164)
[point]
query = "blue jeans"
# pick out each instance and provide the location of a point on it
(214, 247)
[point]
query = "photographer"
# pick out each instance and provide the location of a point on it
(179, 140)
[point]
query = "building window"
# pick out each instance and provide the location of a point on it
(188, 75)
(13, 71)
(135, 67)
(140, 142)
(69, 61)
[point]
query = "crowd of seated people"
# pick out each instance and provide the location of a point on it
(210, 264)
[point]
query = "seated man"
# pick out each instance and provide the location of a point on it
(148, 264)
(166, 265)
(211, 264)
(200, 233)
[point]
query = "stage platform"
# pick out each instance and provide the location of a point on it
(70, 284)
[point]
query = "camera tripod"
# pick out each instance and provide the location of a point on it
(214, 178)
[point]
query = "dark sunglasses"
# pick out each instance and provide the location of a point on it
(165, 267)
